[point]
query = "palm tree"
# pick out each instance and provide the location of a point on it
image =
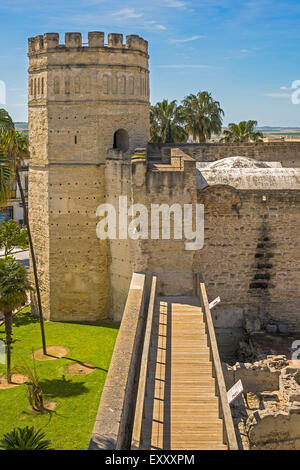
(14, 147)
(14, 285)
(203, 116)
(25, 439)
(6, 121)
(242, 132)
(6, 177)
(167, 124)
(35, 392)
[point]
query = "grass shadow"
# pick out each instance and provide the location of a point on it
(77, 361)
(104, 324)
(62, 388)
(23, 319)
(2, 338)
(85, 364)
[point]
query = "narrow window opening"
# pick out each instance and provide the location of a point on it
(75, 139)
(121, 140)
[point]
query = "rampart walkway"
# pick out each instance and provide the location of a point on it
(181, 409)
(165, 387)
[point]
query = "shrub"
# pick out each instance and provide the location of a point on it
(25, 439)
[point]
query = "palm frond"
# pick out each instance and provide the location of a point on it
(167, 123)
(203, 115)
(6, 122)
(242, 132)
(6, 177)
(25, 439)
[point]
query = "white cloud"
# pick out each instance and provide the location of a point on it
(174, 3)
(244, 51)
(126, 13)
(192, 38)
(156, 25)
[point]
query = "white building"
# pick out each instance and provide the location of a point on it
(14, 208)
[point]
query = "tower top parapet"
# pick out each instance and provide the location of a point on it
(49, 42)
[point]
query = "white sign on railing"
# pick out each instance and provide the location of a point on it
(214, 303)
(235, 391)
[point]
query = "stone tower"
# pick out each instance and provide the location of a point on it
(84, 99)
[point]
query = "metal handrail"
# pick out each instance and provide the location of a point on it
(229, 436)
(139, 410)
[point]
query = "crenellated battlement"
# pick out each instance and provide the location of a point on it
(49, 42)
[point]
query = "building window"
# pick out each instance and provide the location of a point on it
(6, 213)
(121, 140)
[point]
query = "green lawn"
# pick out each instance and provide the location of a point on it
(70, 425)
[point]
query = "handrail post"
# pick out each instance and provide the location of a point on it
(229, 435)
(142, 385)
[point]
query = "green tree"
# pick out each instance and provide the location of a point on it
(25, 439)
(6, 121)
(12, 236)
(14, 147)
(167, 123)
(6, 177)
(203, 116)
(242, 132)
(14, 286)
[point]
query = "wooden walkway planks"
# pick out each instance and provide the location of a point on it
(181, 409)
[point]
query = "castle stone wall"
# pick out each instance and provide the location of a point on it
(251, 250)
(287, 153)
(251, 254)
(79, 97)
(121, 251)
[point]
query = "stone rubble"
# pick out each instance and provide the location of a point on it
(267, 416)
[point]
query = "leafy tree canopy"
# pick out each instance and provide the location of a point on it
(6, 122)
(14, 284)
(198, 116)
(167, 124)
(245, 131)
(12, 236)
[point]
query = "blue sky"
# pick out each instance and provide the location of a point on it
(246, 53)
